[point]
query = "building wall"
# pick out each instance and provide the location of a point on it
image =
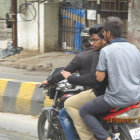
(5, 33)
(28, 31)
(49, 26)
(41, 33)
(134, 23)
(5, 6)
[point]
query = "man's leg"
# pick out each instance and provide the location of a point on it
(88, 112)
(72, 106)
(67, 125)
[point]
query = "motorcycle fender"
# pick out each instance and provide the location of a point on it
(127, 126)
(47, 111)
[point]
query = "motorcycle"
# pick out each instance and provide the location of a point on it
(49, 127)
(123, 124)
(118, 122)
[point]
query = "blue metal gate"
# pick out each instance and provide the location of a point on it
(72, 22)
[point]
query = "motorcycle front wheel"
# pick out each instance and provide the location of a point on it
(42, 126)
(56, 132)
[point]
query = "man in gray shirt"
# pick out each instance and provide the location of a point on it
(121, 61)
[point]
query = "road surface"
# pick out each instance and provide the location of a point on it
(18, 127)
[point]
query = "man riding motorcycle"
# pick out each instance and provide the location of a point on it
(121, 61)
(81, 63)
(73, 103)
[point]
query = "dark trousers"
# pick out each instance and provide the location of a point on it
(88, 112)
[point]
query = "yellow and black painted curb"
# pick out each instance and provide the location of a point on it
(22, 97)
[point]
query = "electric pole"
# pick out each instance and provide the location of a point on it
(14, 24)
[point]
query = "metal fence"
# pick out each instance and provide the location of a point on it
(74, 20)
(117, 8)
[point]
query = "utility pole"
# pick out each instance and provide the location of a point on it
(14, 24)
(98, 11)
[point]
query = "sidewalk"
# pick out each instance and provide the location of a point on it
(35, 61)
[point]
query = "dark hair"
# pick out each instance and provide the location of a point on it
(85, 41)
(114, 25)
(97, 29)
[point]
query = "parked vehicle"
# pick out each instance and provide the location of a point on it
(49, 127)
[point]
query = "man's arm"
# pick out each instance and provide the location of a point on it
(84, 80)
(101, 68)
(71, 67)
(100, 76)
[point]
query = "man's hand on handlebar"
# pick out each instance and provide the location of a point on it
(44, 83)
(65, 74)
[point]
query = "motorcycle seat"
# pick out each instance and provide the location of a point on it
(114, 112)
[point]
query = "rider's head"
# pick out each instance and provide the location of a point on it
(96, 37)
(85, 43)
(112, 28)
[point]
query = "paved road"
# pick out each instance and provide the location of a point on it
(9, 135)
(18, 127)
(21, 74)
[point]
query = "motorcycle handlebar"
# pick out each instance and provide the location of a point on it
(72, 90)
(44, 86)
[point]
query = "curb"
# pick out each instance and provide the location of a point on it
(22, 97)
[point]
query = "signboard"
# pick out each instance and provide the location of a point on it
(91, 14)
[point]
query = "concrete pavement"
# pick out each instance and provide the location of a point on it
(35, 61)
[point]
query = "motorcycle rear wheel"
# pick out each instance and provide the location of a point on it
(55, 131)
(124, 133)
(123, 136)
